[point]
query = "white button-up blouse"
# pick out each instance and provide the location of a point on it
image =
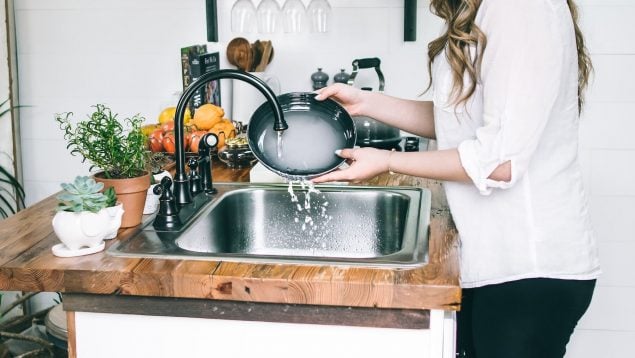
(524, 110)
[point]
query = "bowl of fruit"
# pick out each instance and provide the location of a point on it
(208, 118)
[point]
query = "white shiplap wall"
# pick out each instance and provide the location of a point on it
(608, 155)
(74, 53)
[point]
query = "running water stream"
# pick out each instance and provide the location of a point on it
(279, 145)
(313, 209)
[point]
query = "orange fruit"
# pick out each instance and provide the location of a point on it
(206, 116)
(224, 130)
(209, 109)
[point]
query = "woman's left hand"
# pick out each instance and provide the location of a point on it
(365, 163)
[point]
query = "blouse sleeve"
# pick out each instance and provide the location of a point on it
(521, 76)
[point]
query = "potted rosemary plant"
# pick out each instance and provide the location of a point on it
(118, 149)
(86, 216)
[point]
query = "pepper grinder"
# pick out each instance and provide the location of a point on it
(341, 77)
(319, 79)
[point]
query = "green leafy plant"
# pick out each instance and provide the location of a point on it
(84, 194)
(11, 191)
(117, 148)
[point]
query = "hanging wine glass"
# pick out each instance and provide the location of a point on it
(243, 17)
(267, 13)
(319, 13)
(294, 16)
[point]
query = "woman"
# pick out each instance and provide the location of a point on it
(508, 77)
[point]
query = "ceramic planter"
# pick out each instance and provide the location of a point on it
(131, 192)
(152, 201)
(86, 229)
(115, 214)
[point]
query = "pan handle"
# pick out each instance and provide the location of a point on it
(367, 63)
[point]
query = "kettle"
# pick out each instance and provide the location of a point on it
(370, 132)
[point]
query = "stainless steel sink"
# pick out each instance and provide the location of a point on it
(371, 226)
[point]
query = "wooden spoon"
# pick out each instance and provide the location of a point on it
(239, 53)
(271, 55)
(266, 54)
(256, 51)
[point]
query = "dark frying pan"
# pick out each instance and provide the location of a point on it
(316, 130)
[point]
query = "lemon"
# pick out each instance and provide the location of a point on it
(168, 115)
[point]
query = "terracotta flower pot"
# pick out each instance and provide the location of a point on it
(131, 192)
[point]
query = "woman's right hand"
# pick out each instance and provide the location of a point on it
(349, 97)
(364, 163)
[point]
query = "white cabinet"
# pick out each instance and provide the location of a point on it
(119, 335)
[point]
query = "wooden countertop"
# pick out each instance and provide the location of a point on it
(27, 264)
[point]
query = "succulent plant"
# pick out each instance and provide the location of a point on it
(84, 194)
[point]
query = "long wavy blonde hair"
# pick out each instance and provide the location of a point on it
(462, 33)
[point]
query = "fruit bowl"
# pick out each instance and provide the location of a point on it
(207, 118)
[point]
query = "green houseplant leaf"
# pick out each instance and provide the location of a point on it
(11, 191)
(116, 147)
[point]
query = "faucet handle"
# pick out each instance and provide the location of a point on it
(167, 216)
(208, 141)
(163, 189)
(195, 178)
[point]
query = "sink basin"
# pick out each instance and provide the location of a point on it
(371, 226)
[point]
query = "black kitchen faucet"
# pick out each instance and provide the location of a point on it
(175, 194)
(182, 191)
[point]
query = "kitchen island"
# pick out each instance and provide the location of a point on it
(161, 307)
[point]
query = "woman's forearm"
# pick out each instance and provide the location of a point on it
(415, 117)
(440, 165)
(437, 164)
(365, 163)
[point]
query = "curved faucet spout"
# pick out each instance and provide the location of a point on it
(181, 182)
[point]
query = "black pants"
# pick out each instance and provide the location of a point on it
(532, 318)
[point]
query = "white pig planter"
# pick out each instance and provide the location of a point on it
(85, 218)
